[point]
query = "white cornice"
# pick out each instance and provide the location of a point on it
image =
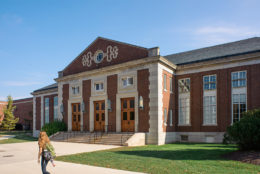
(130, 64)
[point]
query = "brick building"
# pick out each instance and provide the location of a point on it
(2, 106)
(24, 111)
(118, 87)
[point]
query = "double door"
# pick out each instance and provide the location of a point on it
(99, 115)
(75, 116)
(128, 114)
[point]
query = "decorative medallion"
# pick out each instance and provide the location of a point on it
(99, 56)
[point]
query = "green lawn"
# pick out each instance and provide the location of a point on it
(20, 136)
(170, 158)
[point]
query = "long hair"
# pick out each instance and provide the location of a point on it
(43, 139)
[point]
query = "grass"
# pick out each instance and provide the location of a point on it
(20, 137)
(170, 158)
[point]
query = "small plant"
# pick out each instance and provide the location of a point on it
(246, 132)
(53, 127)
(9, 120)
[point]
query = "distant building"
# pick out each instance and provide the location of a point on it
(24, 111)
(2, 106)
(118, 87)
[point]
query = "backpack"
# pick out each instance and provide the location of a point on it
(51, 149)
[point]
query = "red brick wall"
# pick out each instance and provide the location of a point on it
(24, 111)
(38, 113)
(65, 97)
(111, 94)
(143, 90)
(168, 100)
(86, 95)
(125, 53)
(223, 97)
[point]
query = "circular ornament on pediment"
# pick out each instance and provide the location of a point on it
(99, 56)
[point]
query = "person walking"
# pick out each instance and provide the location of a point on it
(46, 151)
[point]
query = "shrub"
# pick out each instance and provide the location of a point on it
(246, 132)
(53, 127)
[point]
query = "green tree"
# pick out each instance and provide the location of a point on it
(9, 120)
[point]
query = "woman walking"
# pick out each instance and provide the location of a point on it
(44, 151)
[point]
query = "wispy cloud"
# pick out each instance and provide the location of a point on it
(20, 83)
(213, 34)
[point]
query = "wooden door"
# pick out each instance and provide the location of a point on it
(128, 114)
(99, 115)
(75, 116)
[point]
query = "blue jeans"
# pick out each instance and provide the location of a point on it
(44, 164)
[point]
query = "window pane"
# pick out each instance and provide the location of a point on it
(235, 98)
(103, 116)
(56, 101)
(164, 82)
(78, 107)
(97, 117)
(124, 115)
(74, 108)
(242, 75)
(235, 109)
(97, 87)
(78, 117)
(213, 86)
(132, 115)
(213, 78)
(165, 115)
(206, 86)
(124, 82)
(97, 106)
(242, 98)
(212, 100)
(101, 86)
(234, 75)
(130, 81)
(103, 106)
(206, 79)
(242, 83)
(132, 103)
(171, 84)
(124, 104)
(170, 116)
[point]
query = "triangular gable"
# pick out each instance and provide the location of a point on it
(104, 52)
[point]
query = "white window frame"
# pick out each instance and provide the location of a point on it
(210, 93)
(46, 110)
(75, 90)
(238, 79)
(170, 117)
(55, 108)
(238, 90)
(99, 84)
(184, 95)
(171, 86)
(126, 79)
(185, 81)
(165, 116)
(210, 105)
(210, 82)
(164, 82)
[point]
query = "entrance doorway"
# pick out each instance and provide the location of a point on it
(75, 116)
(99, 115)
(128, 114)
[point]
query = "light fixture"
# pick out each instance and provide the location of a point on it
(83, 107)
(141, 102)
(62, 109)
(109, 105)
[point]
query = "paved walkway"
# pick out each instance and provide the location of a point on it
(22, 158)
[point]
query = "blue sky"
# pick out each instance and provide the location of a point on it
(39, 38)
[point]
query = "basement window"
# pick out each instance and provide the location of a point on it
(184, 137)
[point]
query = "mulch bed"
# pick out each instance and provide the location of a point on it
(252, 157)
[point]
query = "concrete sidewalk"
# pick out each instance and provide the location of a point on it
(22, 158)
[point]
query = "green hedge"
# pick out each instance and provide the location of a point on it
(246, 132)
(53, 127)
